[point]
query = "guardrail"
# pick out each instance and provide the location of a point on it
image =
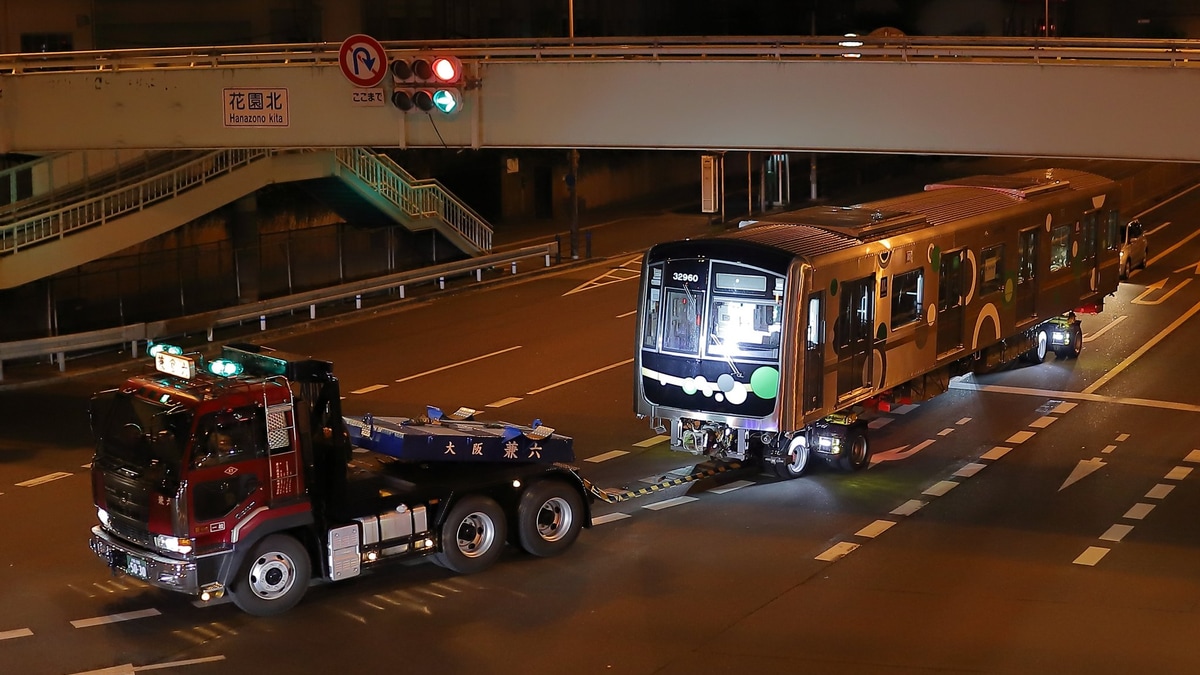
(1033, 51)
(57, 347)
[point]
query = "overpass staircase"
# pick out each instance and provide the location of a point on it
(50, 231)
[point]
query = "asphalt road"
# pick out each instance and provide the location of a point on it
(1036, 520)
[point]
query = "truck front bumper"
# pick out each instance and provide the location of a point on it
(137, 562)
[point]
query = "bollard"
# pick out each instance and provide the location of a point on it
(442, 283)
(262, 322)
(312, 312)
(479, 274)
(62, 361)
(514, 267)
(547, 260)
(210, 333)
(358, 302)
(402, 292)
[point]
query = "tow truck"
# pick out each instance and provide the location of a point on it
(239, 475)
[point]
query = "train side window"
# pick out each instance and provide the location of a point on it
(1027, 265)
(650, 330)
(908, 293)
(991, 269)
(1087, 238)
(1060, 248)
(1112, 229)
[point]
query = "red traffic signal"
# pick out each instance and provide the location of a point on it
(427, 83)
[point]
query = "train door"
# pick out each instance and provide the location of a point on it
(814, 352)
(950, 303)
(854, 335)
(1027, 246)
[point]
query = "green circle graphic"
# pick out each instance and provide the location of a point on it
(764, 382)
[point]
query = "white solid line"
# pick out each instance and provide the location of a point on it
(668, 503)
(1020, 437)
(1116, 533)
(1144, 402)
(1193, 456)
(613, 454)
(735, 485)
(609, 517)
(1091, 556)
(176, 664)
(18, 633)
(995, 453)
(1108, 448)
(1138, 511)
(875, 529)
(839, 550)
(970, 470)
(651, 441)
(1102, 331)
(1178, 473)
(44, 479)
(1159, 491)
(503, 402)
(963, 421)
(1147, 346)
(946, 432)
(622, 316)
(455, 365)
(114, 618)
(908, 508)
(940, 488)
(879, 422)
(86, 466)
(367, 390)
(1043, 422)
(1064, 407)
(569, 380)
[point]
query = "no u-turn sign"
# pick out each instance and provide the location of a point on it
(362, 60)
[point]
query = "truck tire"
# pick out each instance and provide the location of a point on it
(472, 535)
(795, 460)
(1072, 350)
(273, 577)
(858, 453)
(549, 518)
(1040, 345)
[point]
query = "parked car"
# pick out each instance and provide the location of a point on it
(1134, 249)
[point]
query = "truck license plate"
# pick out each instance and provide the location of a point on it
(137, 567)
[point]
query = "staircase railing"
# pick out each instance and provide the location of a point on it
(419, 198)
(60, 222)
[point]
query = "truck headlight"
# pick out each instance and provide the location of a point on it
(102, 515)
(1059, 337)
(173, 544)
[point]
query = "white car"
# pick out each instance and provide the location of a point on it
(1134, 249)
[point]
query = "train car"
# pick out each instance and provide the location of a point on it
(768, 341)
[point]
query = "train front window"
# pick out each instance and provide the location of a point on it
(681, 330)
(744, 328)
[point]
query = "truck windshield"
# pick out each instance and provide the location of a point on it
(140, 433)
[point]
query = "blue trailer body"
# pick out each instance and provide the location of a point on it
(458, 438)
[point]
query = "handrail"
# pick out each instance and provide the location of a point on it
(58, 346)
(1031, 51)
(426, 198)
(97, 210)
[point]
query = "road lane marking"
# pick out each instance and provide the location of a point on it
(995, 453)
(879, 422)
(1178, 473)
(902, 452)
(460, 363)
(1168, 251)
(18, 633)
(735, 485)
(940, 488)
(1083, 469)
(970, 470)
(1117, 532)
(649, 442)
(668, 503)
(1020, 437)
(569, 380)
(1091, 556)
(609, 517)
(946, 432)
(1102, 331)
(606, 456)
(1147, 346)
(503, 402)
(1063, 408)
(367, 390)
(1159, 491)
(115, 618)
(32, 482)
(130, 669)
(1193, 457)
(837, 551)
(622, 316)
(908, 508)
(1122, 437)
(1138, 511)
(1108, 448)
(963, 421)
(1097, 398)
(904, 409)
(1043, 422)
(875, 529)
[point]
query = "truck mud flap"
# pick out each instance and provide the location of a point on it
(614, 495)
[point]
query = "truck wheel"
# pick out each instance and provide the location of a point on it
(1072, 350)
(472, 536)
(1040, 346)
(795, 462)
(273, 578)
(858, 453)
(549, 518)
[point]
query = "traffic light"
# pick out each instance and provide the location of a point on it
(427, 83)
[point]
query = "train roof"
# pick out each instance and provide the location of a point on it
(824, 229)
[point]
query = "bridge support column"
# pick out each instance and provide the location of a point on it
(247, 262)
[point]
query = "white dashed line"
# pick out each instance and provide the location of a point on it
(1063, 407)
(1159, 491)
(970, 470)
(114, 618)
(1020, 437)
(609, 517)
(837, 551)
(875, 529)
(1193, 457)
(651, 441)
(1138, 511)
(1178, 473)
(44, 479)
(367, 390)
(904, 409)
(940, 488)
(18, 633)
(908, 508)
(735, 485)
(606, 456)
(460, 363)
(1122, 437)
(569, 380)
(946, 432)
(1108, 448)
(879, 422)
(1043, 422)
(995, 453)
(668, 503)
(1116, 533)
(963, 421)
(1091, 556)
(503, 402)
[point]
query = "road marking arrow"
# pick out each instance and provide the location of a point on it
(1158, 286)
(1195, 267)
(1084, 468)
(902, 452)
